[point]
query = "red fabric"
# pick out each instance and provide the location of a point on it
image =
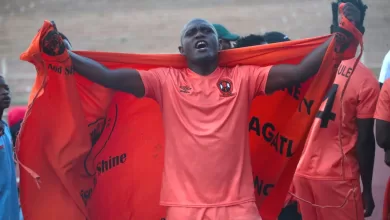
(16, 114)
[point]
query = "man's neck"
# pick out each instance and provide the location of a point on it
(203, 69)
(1, 114)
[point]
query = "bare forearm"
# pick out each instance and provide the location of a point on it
(310, 65)
(366, 156)
(90, 69)
(287, 75)
(125, 80)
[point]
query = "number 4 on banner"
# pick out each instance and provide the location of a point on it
(326, 115)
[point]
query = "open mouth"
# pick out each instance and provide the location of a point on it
(201, 44)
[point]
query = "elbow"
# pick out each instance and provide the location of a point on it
(301, 74)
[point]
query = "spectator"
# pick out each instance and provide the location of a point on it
(9, 201)
(15, 118)
(275, 37)
(385, 70)
(225, 37)
(250, 40)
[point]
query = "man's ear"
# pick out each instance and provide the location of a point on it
(181, 50)
(220, 44)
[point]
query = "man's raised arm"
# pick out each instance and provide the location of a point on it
(125, 80)
(285, 75)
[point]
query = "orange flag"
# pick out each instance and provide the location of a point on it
(98, 154)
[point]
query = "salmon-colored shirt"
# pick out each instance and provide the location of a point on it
(383, 106)
(207, 160)
(323, 158)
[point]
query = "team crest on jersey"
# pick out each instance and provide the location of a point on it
(225, 86)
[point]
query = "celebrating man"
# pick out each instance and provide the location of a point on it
(207, 171)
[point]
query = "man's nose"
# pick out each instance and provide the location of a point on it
(199, 34)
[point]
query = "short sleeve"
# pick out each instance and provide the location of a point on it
(382, 111)
(367, 99)
(153, 81)
(256, 77)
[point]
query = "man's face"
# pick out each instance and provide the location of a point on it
(199, 42)
(5, 98)
(225, 44)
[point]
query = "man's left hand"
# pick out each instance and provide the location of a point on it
(368, 203)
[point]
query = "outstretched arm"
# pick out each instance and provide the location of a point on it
(285, 75)
(125, 80)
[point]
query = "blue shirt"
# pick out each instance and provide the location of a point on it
(9, 199)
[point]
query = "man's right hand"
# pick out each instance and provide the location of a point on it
(125, 79)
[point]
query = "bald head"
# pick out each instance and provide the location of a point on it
(199, 43)
(196, 22)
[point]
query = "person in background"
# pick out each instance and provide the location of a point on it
(250, 40)
(385, 70)
(226, 39)
(275, 37)
(382, 119)
(9, 199)
(330, 169)
(15, 119)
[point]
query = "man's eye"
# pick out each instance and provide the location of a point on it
(190, 32)
(207, 30)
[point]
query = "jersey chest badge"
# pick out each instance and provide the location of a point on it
(225, 86)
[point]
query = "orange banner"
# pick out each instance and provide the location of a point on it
(99, 154)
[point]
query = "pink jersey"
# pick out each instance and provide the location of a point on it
(383, 106)
(207, 160)
(323, 158)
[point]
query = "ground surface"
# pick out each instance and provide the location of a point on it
(151, 26)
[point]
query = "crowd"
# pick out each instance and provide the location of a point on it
(340, 147)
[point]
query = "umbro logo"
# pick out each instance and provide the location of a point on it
(185, 89)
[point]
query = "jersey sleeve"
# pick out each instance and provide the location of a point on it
(367, 99)
(256, 77)
(153, 81)
(382, 111)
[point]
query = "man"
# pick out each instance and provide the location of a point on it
(9, 201)
(226, 39)
(250, 40)
(329, 170)
(385, 70)
(382, 116)
(275, 37)
(202, 121)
